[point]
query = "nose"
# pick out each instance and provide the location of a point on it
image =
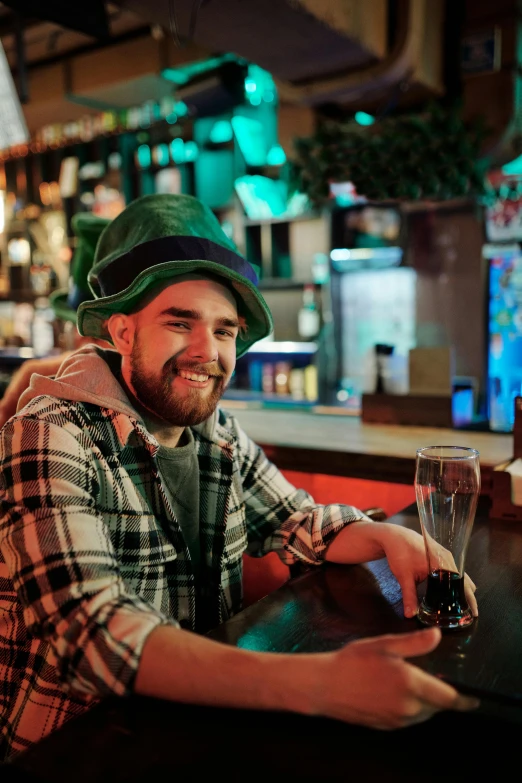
(202, 345)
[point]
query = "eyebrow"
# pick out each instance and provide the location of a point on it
(194, 315)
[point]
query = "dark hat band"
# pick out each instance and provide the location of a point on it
(121, 273)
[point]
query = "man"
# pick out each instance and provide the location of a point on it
(128, 498)
(87, 229)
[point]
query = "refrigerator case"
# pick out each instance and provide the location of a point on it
(504, 333)
(372, 307)
(372, 297)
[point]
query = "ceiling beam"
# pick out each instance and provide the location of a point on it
(44, 62)
(90, 19)
(8, 23)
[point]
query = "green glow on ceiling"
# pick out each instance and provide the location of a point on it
(363, 118)
(221, 132)
(251, 139)
(176, 75)
(276, 156)
(513, 167)
(259, 86)
(188, 71)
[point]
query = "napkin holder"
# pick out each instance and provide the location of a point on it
(501, 490)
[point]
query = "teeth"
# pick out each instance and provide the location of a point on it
(191, 376)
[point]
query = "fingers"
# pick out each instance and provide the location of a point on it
(406, 645)
(438, 694)
(469, 589)
(409, 595)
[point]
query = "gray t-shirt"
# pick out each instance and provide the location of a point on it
(180, 471)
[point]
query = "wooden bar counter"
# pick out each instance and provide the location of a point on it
(138, 739)
(342, 445)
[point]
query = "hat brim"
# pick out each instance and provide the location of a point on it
(59, 303)
(92, 315)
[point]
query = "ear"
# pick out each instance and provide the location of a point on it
(122, 330)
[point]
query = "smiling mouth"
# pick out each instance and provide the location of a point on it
(193, 376)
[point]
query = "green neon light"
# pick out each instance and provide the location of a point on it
(513, 167)
(177, 150)
(144, 156)
(221, 132)
(188, 71)
(161, 154)
(251, 139)
(259, 85)
(176, 75)
(276, 156)
(363, 118)
(181, 109)
(191, 151)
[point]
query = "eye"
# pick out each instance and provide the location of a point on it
(177, 324)
(226, 333)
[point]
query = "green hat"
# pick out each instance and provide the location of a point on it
(87, 229)
(156, 239)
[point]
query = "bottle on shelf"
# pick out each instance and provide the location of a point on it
(311, 386)
(308, 319)
(43, 327)
(296, 384)
(267, 381)
(282, 377)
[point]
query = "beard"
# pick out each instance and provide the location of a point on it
(155, 391)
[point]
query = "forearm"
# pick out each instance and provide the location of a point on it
(366, 682)
(181, 666)
(359, 542)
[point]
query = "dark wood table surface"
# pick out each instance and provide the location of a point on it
(141, 739)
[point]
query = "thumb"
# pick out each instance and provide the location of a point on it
(407, 645)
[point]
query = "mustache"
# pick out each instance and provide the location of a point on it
(213, 369)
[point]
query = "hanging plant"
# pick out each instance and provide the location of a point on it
(433, 155)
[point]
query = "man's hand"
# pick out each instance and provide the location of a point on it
(367, 682)
(404, 549)
(372, 684)
(406, 555)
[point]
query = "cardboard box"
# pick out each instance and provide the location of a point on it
(416, 410)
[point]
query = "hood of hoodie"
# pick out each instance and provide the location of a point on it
(89, 375)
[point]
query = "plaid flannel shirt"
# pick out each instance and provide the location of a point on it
(92, 558)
